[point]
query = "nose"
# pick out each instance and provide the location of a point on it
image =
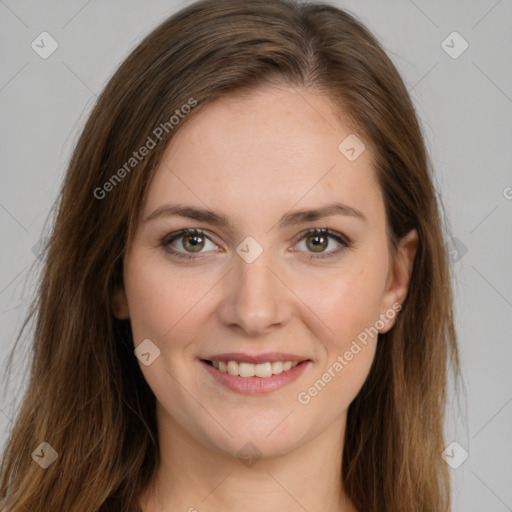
(255, 298)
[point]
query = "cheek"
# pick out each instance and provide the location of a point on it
(349, 308)
(349, 301)
(157, 299)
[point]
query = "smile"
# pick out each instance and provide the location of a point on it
(262, 370)
(254, 378)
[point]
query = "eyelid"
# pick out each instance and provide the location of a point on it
(324, 231)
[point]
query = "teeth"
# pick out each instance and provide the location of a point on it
(277, 367)
(233, 368)
(263, 370)
(245, 369)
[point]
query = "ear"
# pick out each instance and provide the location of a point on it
(120, 304)
(397, 284)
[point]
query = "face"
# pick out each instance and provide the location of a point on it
(260, 281)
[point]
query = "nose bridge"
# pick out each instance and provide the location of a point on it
(255, 297)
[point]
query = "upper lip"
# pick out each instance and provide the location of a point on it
(242, 357)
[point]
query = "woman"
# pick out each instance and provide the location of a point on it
(246, 301)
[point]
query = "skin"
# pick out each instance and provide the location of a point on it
(254, 158)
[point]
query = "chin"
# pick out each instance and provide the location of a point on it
(263, 440)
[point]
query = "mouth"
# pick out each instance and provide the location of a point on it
(269, 373)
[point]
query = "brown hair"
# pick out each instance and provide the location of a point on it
(86, 395)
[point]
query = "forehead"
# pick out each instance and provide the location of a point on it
(268, 149)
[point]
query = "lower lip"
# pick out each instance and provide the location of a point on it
(256, 385)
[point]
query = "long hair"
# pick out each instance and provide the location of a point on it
(86, 396)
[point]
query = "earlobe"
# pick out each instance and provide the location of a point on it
(399, 278)
(120, 304)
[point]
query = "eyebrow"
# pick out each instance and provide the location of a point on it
(288, 219)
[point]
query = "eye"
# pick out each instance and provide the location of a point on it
(190, 241)
(187, 242)
(317, 240)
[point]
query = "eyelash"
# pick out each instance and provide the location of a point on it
(345, 242)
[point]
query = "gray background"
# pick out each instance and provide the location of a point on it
(465, 106)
